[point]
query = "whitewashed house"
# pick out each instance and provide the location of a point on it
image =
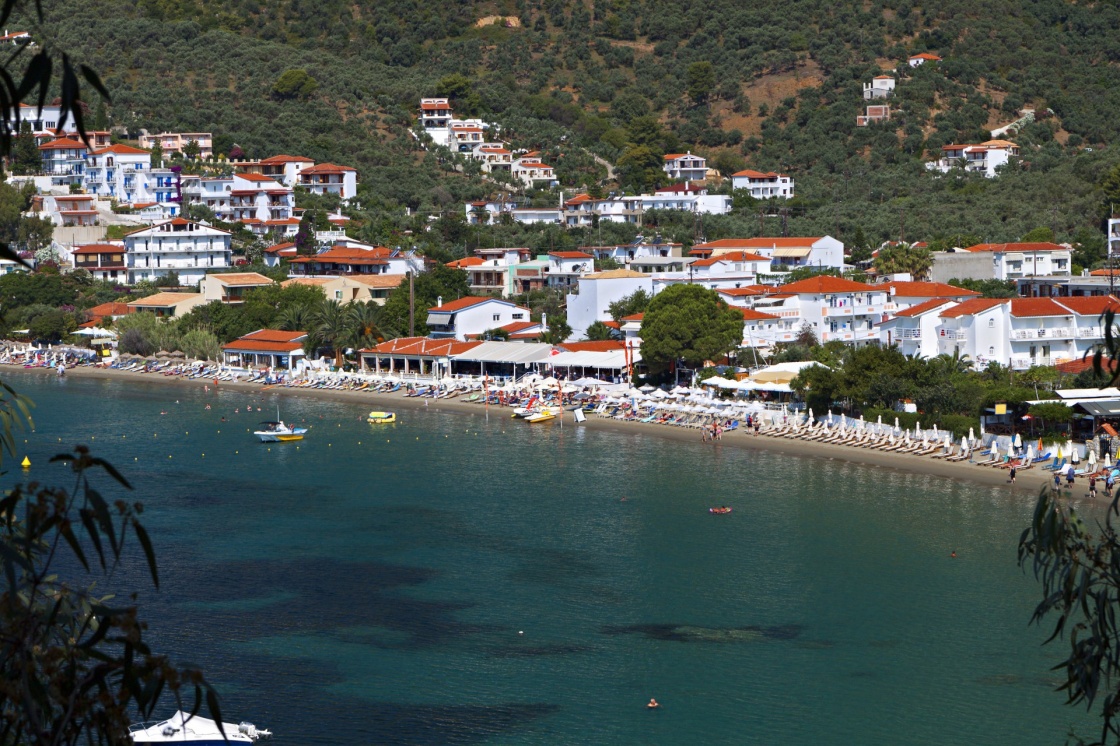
(566, 267)
(330, 178)
(472, 316)
(64, 160)
(120, 172)
(256, 198)
(916, 60)
(915, 328)
(783, 251)
(732, 269)
(833, 307)
(685, 167)
(285, 168)
(985, 158)
(880, 86)
(597, 291)
(763, 185)
(532, 171)
(1012, 261)
(181, 246)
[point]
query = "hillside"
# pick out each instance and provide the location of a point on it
(774, 86)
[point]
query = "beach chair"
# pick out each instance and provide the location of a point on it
(945, 454)
(1055, 467)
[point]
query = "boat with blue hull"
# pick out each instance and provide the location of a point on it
(197, 731)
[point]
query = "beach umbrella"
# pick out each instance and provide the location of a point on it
(1018, 441)
(917, 427)
(971, 435)
(936, 435)
(647, 388)
(878, 421)
(1030, 454)
(811, 417)
(1092, 459)
(178, 353)
(895, 423)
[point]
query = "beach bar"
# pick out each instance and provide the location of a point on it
(272, 348)
(413, 356)
(501, 359)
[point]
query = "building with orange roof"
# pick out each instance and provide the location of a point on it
(917, 60)
(105, 261)
(836, 309)
(1003, 261)
(881, 86)
(471, 316)
(984, 158)
(763, 184)
(166, 305)
(174, 142)
(566, 267)
(904, 294)
(274, 349)
(230, 287)
(256, 197)
(184, 247)
(784, 251)
(435, 113)
(685, 167)
(119, 172)
(330, 178)
(915, 329)
(64, 160)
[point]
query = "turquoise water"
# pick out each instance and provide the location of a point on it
(456, 580)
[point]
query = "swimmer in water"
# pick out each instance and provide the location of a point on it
(953, 555)
(653, 705)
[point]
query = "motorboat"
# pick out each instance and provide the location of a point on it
(279, 432)
(197, 730)
(381, 418)
(543, 415)
(720, 511)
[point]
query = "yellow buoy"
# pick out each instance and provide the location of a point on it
(26, 463)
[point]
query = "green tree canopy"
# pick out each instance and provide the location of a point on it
(294, 83)
(440, 281)
(689, 323)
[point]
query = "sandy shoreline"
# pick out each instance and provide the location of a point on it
(1028, 481)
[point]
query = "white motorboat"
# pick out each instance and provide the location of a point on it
(197, 730)
(279, 432)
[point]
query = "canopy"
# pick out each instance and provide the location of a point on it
(781, 373)
(96, 331)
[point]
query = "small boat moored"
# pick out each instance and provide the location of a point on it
(197, 730)
(278, 432)
(720, 511)
(381, 418)
(542, 416)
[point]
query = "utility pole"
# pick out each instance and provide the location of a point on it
(411, 306)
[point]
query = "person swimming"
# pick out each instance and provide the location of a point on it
(653, 705)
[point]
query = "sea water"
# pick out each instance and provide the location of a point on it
(460, 579)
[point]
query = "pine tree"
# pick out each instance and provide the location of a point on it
(25, 153)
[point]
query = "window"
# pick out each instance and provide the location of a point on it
(518, 316)
(338, 295)
(497, 317)
(991, 350)
(991, 323)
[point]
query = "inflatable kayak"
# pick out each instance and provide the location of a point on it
(720, 511)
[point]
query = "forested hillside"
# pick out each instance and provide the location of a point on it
(773, 84)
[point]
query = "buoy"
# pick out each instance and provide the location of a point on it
(26, 463)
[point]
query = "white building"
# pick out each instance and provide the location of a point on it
(256, 198)
(1021, 332)
(733, 269)
(880, 86)
(921, 59)
(905, 294)
(174, 142)
(834, 308)
(638, 250)
(985, 158)
(762, 185)
(1113, 235)
(181, 246)
(533, 172)
(285, 168)
(120, 172)
(330, 178)
(471, 316)
(785, 251)
(435, 113)
(597, 291)
(915, 328)
(214, 192)
(230, 287)
(566, 267)
(64, 160)
(685, 167)
(1011, 261)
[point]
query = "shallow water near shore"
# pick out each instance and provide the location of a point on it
(454, 579)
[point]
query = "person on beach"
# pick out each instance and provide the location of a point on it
(1092, 485)
(1057, 481)
(1069, 477)
(1108, 486)
(1012, 475)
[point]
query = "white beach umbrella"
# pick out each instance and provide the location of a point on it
(1071, 451)
(878, 420)
(971, 435)
(1092, 459)
(811, 417)
(948, 441)
(895, 423)
(1018, 440)
(1106, 461)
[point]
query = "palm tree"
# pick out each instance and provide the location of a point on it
(296, 318)
(332, 321)
(366, 321)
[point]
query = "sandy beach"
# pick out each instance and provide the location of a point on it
(1028, 482)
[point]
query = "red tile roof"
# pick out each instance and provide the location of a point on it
(286, 159)
(1081, 365)
(925, 307)
(634, 317)
(927, 290)
(345, 255)
(970, 307)
(1026, 307)
(422, 346)
(1093, 305)
(466, 302)
(601, 345)
(280, 248)
(268, 340)
(787, 242)
(112, 308)
(1006, 247)
(119, 149)
(98, 248)
(749, 314)
(925, 56)
(326, 168)
(750, 174)
(256, 177)
(748, 291)
(827, 284)
(63, 143)
(570, 255)
(520, 326)
(467, 261)
(731, 256)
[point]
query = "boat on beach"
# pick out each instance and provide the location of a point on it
(279, 432)
(381, 418)
(197, 730)
(543, 415)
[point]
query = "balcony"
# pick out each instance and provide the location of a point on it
(902, 334)
(954, 334)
